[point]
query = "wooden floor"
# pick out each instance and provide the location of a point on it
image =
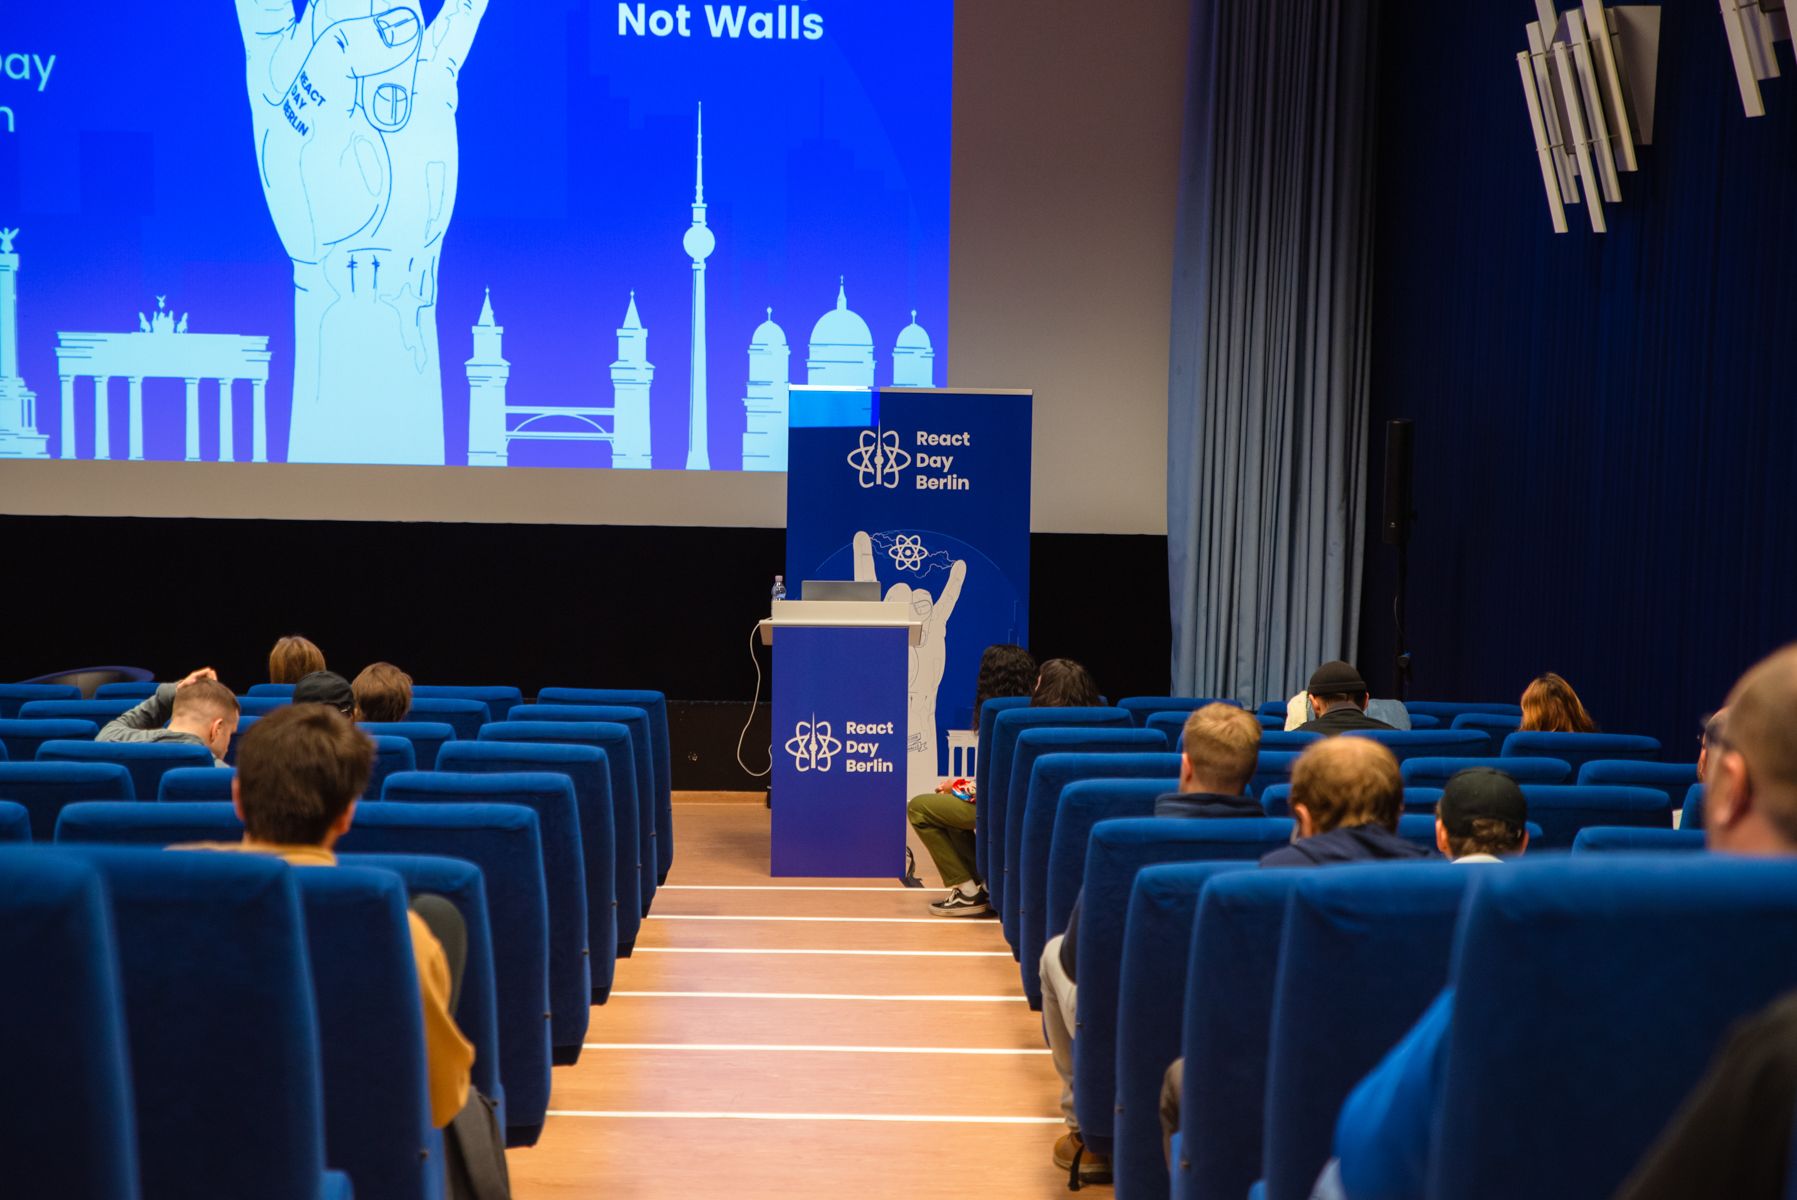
(800, 1037)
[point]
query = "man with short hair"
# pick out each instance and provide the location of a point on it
(1220, 747)
(1481, 817)
(382, 692)
(1347, 796)
(299, 772)
(199, 710)
(1339, 697)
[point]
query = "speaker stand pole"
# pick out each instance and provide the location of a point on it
(1397, 611)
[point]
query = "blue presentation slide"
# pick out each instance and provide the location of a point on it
(464, 232)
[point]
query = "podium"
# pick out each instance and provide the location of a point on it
(838, 786)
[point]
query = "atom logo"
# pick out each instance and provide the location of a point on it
(811, 745)
(907, 552)
(879, 459)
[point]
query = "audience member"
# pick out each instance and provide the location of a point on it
(299, 771)
(1347, 796)
(1339, 697)
(382, 692)
(1549, 705)
(330, 688)
(199, 710)
(292, 659)
(1733, 1135)
(1481, 817)
(944, 818)
(1221, 744)
(1063, 683)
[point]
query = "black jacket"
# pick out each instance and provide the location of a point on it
(1340, 720)
(1357, 843)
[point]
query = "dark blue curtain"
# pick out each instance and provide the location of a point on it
(1606, 425)
(1267, 399)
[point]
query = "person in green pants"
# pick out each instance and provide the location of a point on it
(944, 818)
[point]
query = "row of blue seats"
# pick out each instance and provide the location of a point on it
(1538, 952)
(113, 698)
(213, 1025)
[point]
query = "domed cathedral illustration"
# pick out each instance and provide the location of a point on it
(913, 358)
(842, 347)
(767, 403)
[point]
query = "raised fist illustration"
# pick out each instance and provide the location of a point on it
(353, 106)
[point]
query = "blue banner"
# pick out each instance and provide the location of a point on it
(839, 787)
(933, 501)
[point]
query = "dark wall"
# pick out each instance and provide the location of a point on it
(533, 605)
(1605, 424)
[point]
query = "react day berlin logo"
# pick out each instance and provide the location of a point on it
(812, 745)
(879, 458)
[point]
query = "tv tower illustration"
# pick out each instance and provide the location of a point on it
(699, 243)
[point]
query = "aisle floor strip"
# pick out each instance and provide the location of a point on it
(968, 999)
(901, 1118)
(975, 924)
(879, 953)
(776, 1048)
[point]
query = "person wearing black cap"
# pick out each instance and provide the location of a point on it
(327, 687)
(1338, 695)
(1481, 817)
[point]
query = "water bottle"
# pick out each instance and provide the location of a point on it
(779, 587)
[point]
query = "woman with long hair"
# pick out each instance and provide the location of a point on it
(1549, 705)
(1063, 683)
(292, 659)
(944, 818)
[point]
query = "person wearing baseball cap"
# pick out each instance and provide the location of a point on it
(1338, 695)
(1481, 816)
(327, 687)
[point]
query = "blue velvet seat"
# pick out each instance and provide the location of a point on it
(1170, 725)
(1276, 801)
(67, 1106)
(1151, 990)
(580, 958)
(501, 839)
(982, 767)
(1370, 947)
(197, 783)
(220, 1024)
(1030, 747)
(1564, 973)
(477, 1007)
(1675, 779)
(1140, 708)
(269, 689)
(1282, 739)
(1495, 726)
(15, 695)
(1603, 839)
(244, 725)
(1048, 779)
(1270, 768)
(1691, 815)
(15, 822)
(1563, 810)
(377, 1110)
(21, 738)
(427, 737)
(1084, 803)
(1435, 772)
(261, 706)
(1231, 971)
(148, 762)
(44, 788)
(134, 690)
(608, 835)
(1446, 710)
(996, 754)
(464, 716)
(1271, 708)
(640, 747)
(97, 711)
(1577, 749)
(661, 751)
(391, 756)
(1424, 743)
(1118, 850)
(498, 698)
(504, 842)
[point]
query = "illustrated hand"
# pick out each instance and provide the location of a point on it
(353, 110)
(195, 676)
(864, 558)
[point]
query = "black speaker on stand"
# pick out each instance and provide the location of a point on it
(1398, 519)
